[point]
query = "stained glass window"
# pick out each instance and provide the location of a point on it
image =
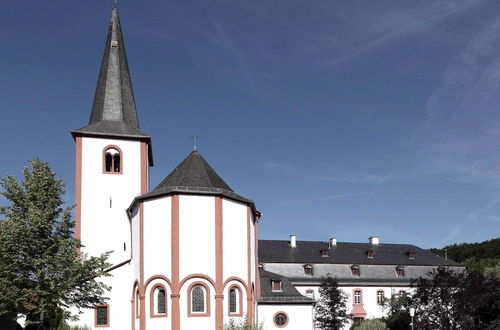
(198, 299)
(232, 301)
(280, 319)
(102, 315)
(161, 301)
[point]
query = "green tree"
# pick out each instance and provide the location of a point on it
(456, 300)
(243, 324)
(331, 309)
(397, 309)
(373, 324)
(42, 273)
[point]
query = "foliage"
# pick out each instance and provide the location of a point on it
(397, 307)
(42, 273)
(490, 266)
(456, 300)
(464, 251)
(331, 308)
(373, 324)
(243, 324)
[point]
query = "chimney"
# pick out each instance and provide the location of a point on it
(374, 240)
(333, 242)
(293, 241)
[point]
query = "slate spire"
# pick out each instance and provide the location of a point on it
(113, 109)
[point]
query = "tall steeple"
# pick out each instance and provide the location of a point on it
(113, 111)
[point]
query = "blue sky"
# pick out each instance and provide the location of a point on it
(339, 118)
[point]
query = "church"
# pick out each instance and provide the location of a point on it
(186, 254)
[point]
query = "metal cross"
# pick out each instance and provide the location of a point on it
(195, 137)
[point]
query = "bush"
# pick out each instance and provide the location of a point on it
(373, 324)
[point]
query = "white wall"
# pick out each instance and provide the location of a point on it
(157, 234)
(196, 235)
(105, 227)
(299, 316)
(235, 245)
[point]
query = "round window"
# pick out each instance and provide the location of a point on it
(280, 319)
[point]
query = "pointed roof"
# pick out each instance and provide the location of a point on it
(113, 111)
(194, 176)
(194, 171)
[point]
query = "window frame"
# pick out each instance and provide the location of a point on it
(239, 301)
(286, 321)
(107, 317)
(360, 297)
(153, 301)
(205, 313)
(310, 292)
(355, 270)
(400, 271)
(308, 268)
(380, 297)
(370, 254)
(120, 153)
(273, 282)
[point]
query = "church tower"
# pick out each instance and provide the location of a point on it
(112, 156)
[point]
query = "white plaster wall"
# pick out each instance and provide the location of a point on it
(164, 323)
(105, 228)
(135, 243)
(157, 233)
(202, 322)
(368, 298)
(119, 302)
(299, 316)
(196, 235)
(235, 245)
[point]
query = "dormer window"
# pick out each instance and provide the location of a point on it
(325, 253)
(411, 255)
(355, 270)
(276, 286)
(400, 271)
(370, 254)
(308, 270)
(112, 160)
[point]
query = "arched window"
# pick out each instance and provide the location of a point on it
(157, 301)
(235, 301)
(233, 304)
(160, 303)
(198, 299)
(112, 160)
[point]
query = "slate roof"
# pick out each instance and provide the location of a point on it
(194, 171)
(274, 251)
(113, 111)
(194, 176)
(289, 293)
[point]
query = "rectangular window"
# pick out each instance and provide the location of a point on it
(102, 316)
(276, 286)
(380, 297)
(357, 297)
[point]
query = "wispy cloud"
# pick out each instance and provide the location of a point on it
(453, 232)
(483, 213)
(390, 26)
(335, 196)
(461, 132)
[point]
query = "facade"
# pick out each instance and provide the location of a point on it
(186, 254)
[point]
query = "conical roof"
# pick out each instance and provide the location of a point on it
(113, 111)
(193, 171)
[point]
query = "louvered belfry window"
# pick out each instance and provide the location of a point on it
(161, 301)
(232, 301)
(198, 299)
(102, 315)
